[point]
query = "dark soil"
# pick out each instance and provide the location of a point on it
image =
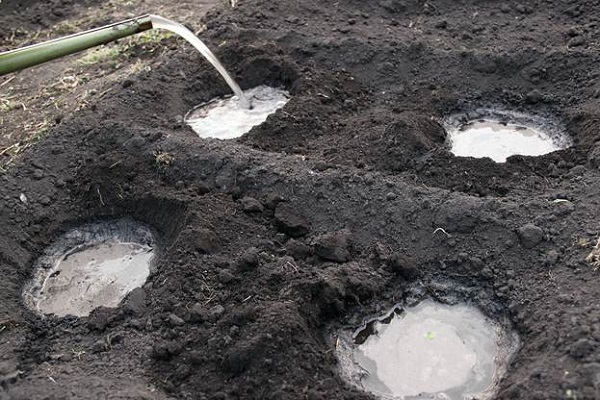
(326, 214)
(23, 14)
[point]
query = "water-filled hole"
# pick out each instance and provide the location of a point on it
(499, 135)
(431, 351)
(226, 118)
(92, 266)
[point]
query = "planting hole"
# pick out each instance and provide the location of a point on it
(92, 266)
(500, 135)
(228, 119)
(431, 351)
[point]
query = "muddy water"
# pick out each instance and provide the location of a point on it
(98, 275)
(498, 141)
(431, 351)
(228, 119)
(90, 267)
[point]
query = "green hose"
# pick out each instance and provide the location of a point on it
(29, 56)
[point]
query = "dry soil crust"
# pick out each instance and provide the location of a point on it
(327, 213)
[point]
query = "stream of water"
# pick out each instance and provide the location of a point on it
(163, 23)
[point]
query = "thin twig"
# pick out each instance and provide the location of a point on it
(9, 148)
(8, 80)
(100, 196)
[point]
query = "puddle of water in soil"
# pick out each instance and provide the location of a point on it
(431, 351)
(228, 119)
(498, 141)
(92, 267)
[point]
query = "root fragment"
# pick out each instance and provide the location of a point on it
(443, 231)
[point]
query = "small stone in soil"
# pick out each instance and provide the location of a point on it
(215, 313)
(530, 235)
(250, 204)
(249, 259)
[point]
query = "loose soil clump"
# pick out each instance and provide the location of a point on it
(343, 203)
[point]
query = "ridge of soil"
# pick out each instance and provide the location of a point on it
(341, 204)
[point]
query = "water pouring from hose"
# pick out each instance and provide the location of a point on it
(29, 56)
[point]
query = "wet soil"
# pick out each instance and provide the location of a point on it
(344, 203)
